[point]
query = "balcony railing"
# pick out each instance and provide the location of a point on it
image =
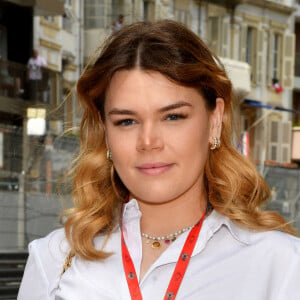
(15, 84)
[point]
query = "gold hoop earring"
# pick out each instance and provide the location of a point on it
(108, 155)
(215, 144)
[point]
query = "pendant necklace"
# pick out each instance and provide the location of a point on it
(179, 270)
(156, 241)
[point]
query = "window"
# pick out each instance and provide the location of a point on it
(69, 3)
(68, 19)
(249, 44)
(149, 9)
(275, 55)
(50, 19)
(94, 14)
(251, 51)
(281, 59)
(219, 35)
(275, 58)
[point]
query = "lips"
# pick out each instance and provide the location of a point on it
(154, 168)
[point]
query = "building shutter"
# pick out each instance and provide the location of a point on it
(177, 15)
(273, 152)
(214, 29)
(258, 142)
(288, 61)
(286, 139)
(259, 56)
(225, 37)
(243, 43)
(270, 58)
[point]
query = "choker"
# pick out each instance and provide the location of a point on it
(167, 239)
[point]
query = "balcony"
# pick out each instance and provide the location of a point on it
(16, 93)
(281, 6)
(42, 7)
(239, 74)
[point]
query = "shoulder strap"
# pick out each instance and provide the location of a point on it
(68, 262)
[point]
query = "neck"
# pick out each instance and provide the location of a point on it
(162, 219)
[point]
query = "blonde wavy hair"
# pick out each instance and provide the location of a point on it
(235, 188)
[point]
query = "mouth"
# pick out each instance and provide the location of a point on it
(154, 168)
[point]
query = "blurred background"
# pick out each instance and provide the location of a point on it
(44, 46)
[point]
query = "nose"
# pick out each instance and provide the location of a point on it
(149, 138)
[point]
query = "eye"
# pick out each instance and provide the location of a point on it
(175, 117)
(124, 122)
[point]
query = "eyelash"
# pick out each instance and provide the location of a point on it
(175, 117)
(124, 122)
(169, 117)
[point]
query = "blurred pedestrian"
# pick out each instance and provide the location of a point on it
(118, 24)
(35, 67)
(164, 205)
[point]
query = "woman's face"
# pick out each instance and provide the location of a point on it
(158, 133)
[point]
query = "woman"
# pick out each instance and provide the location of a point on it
(164, 206)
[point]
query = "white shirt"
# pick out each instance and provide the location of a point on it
(228, 263)
(34, 66)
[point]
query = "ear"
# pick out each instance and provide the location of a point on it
(216, 118)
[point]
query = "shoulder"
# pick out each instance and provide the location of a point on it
(51, 248)
(44, 265)
(274, 240)
(50, 253)
(278, 241)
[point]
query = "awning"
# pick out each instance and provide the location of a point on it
(268, 106)
(239, 74)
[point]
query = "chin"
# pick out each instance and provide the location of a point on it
(154, 197)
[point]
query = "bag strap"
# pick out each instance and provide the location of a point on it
(68, 262)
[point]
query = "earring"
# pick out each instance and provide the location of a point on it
(216, 143)
(108, 155)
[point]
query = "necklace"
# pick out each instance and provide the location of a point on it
(167, 239)
(179, 271)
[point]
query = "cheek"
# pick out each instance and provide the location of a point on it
(195, 138)
(194, 147)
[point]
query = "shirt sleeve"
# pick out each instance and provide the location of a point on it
(34, 284)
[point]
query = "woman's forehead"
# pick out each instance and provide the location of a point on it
(140, 90)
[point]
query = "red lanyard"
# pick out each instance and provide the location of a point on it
(178, 273)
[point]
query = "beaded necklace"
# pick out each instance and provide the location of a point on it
(167, 239)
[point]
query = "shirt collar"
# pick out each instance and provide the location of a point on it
(212, 223)
(131, 211)
(216, 220)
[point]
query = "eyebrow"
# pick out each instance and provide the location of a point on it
(116, 111)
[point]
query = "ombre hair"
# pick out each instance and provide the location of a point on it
(235, 189)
